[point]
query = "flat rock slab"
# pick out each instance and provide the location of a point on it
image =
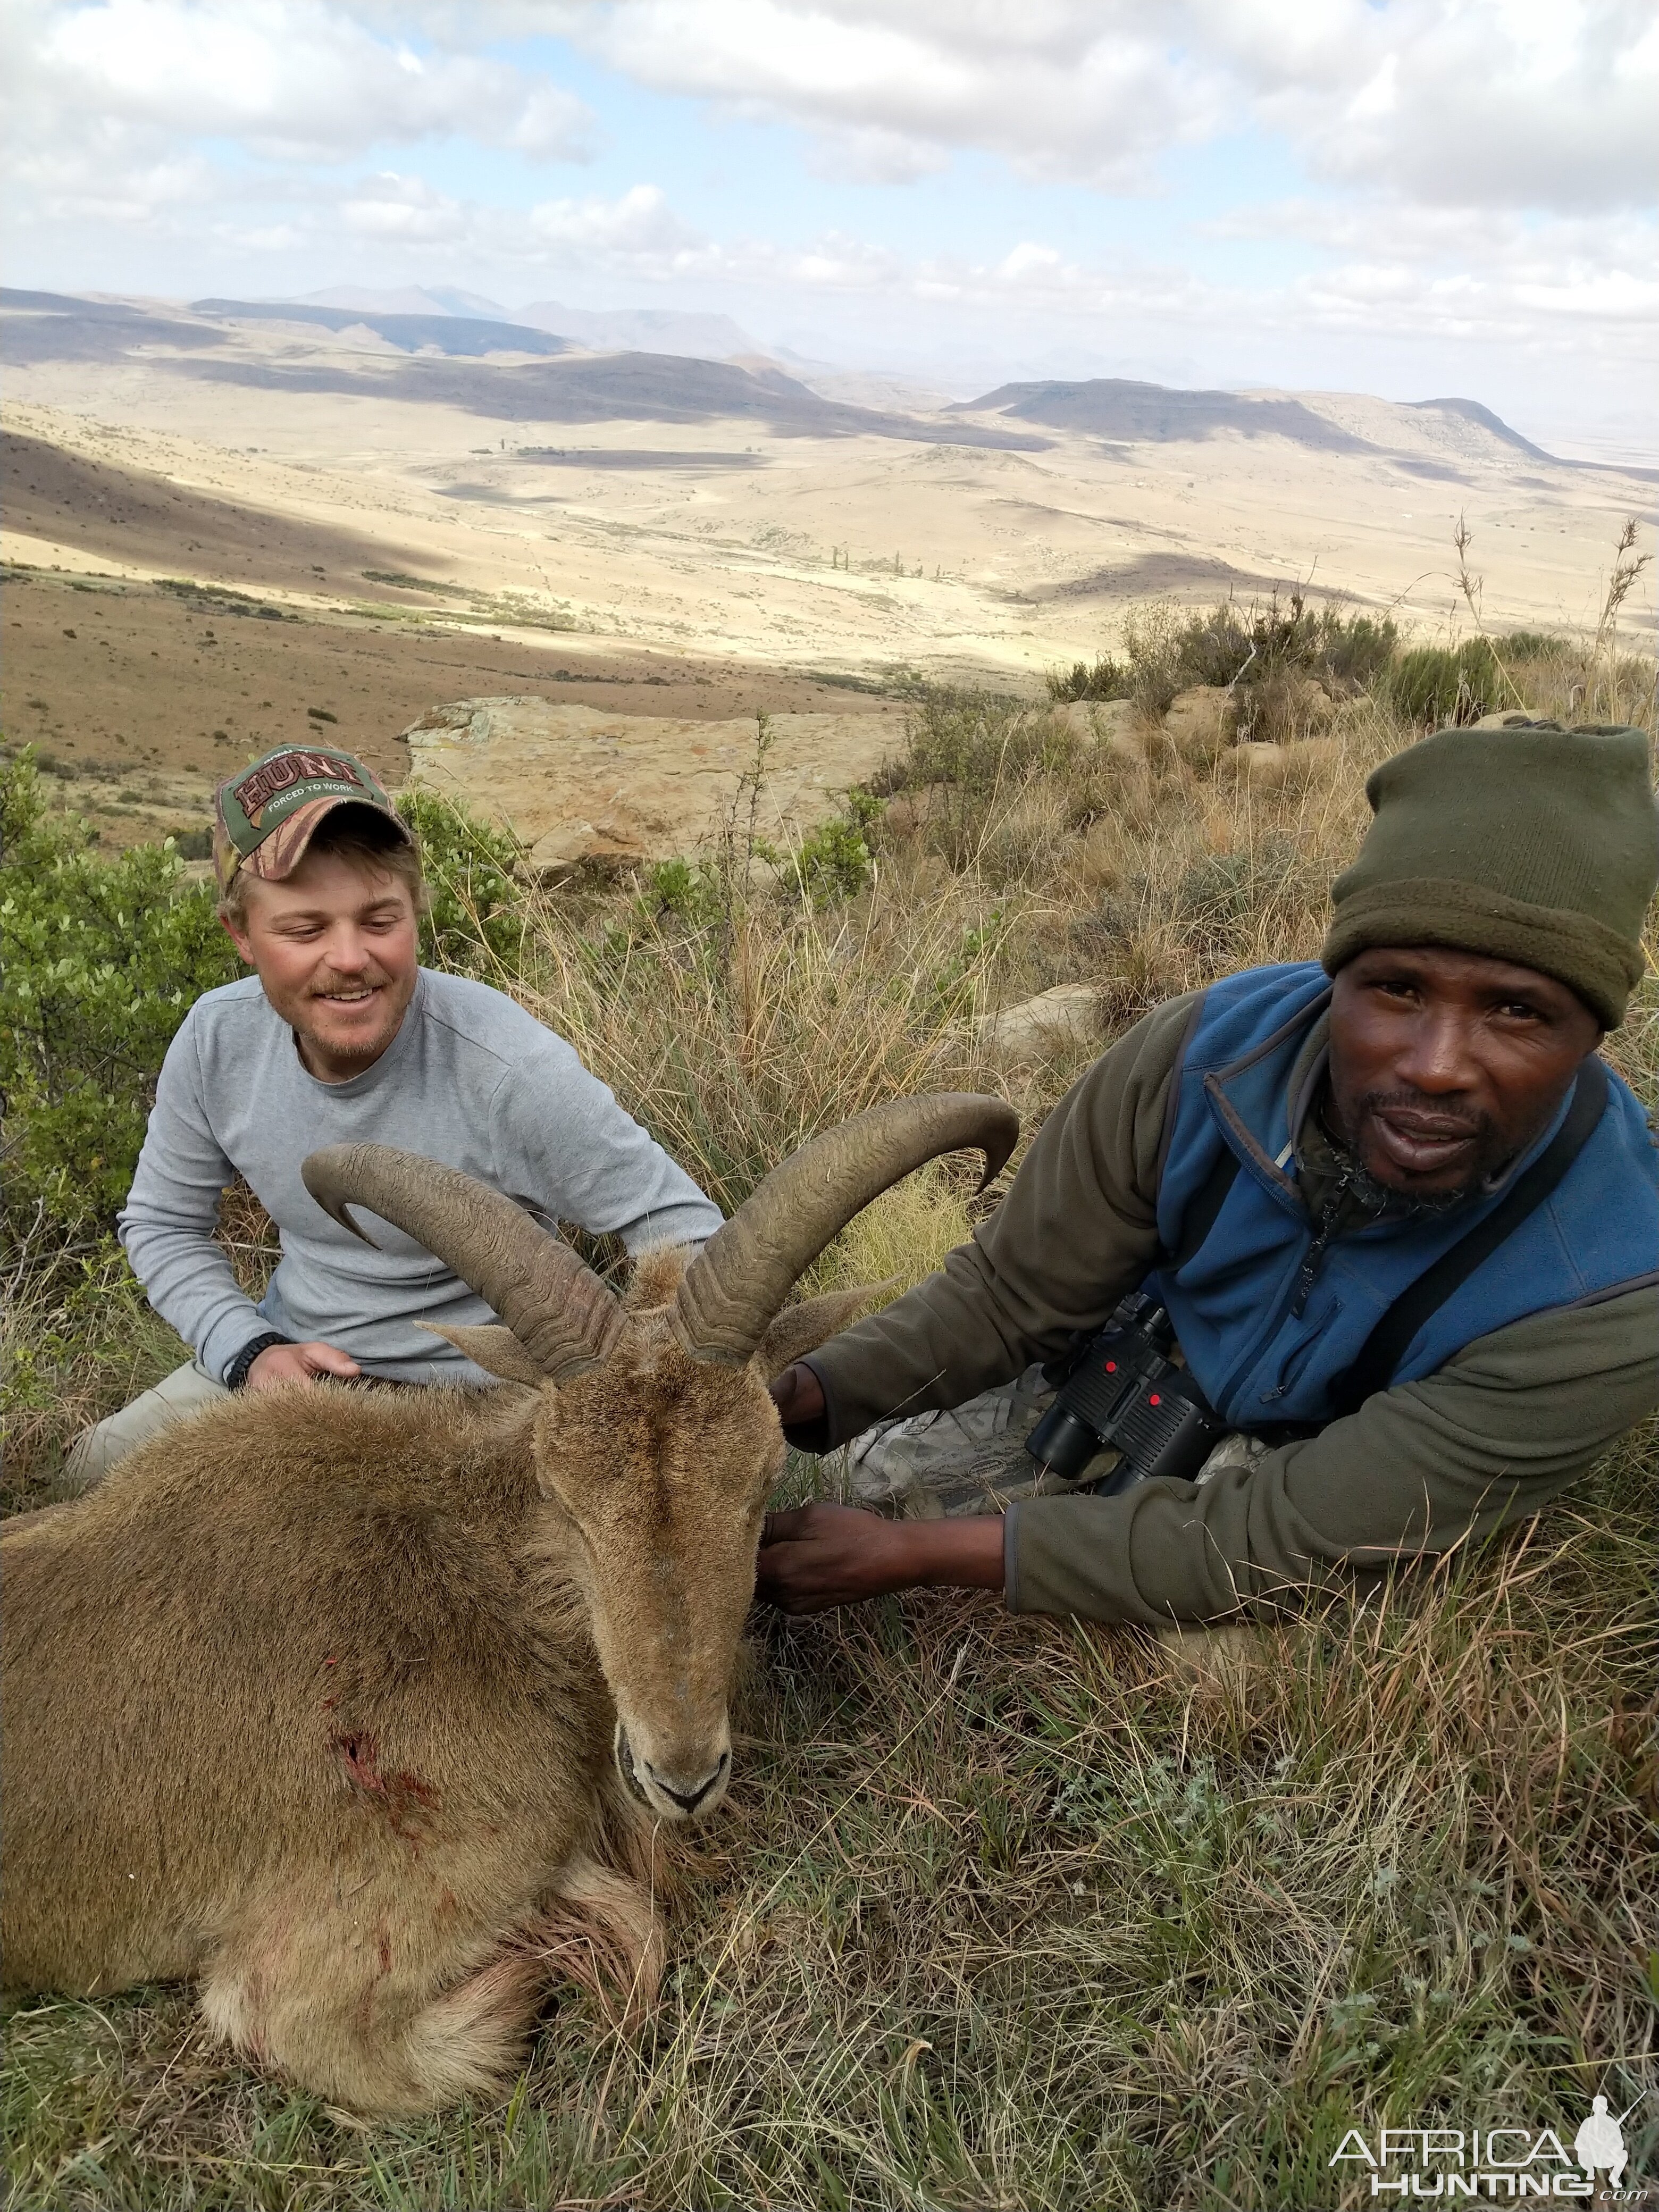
(1067, 1018)
(576, 783)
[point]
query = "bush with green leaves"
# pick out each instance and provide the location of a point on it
(977, 742)
(1245, 646)
(830, 866)
(1106, 679)
(1534, 645)
(1433, 685)
(832, 863)
(475, 920)
(99, 962)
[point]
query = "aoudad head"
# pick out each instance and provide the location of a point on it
(656, 1441)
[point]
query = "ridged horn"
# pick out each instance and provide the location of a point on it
(739, 1281)
(563, 1315)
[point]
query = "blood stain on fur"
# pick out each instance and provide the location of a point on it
(401, 1795)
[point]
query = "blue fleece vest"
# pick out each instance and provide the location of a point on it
(1260, 1363)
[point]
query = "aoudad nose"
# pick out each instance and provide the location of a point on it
(687, 1795)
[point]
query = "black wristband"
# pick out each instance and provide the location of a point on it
(236, 1374)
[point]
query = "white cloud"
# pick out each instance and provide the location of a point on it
(405, 210)
(1495, 104)
(1061, 87)
(638, 228)
(288, 81)
(1475, 102)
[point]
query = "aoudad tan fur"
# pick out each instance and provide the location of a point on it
(362, 1707)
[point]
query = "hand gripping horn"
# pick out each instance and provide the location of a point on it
(738, 1282)
(563, 1315)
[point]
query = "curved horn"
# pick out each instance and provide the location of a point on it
(563, 1315)
(740, 1279)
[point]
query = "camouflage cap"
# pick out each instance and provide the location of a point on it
(266, 816)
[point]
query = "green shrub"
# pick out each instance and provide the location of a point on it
(1534, 645)
(976, 743)
(475, 924)
(832, 863)
(1433, 685)
(1233, 644)
(1220, 898)
(1166, 649)
(683, 890)
(99, 962)
(1107, 679)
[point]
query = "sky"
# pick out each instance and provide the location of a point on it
(1411, 197)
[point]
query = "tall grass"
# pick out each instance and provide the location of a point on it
(1002, 1912)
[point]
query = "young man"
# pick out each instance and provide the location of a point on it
(340, 1037)
(1404, 1223)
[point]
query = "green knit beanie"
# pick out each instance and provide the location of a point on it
(1531, 842)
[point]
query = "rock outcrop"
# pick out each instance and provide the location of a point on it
(576, 784)
(1199, 724)
(1066, 1019)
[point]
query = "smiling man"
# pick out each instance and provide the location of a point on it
(340, 1037)
(1401, 1220)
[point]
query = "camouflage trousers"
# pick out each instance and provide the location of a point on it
(932, 1466)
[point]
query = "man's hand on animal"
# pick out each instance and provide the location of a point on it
(818, 1556)
(300, 1362)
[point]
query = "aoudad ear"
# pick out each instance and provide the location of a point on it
(492, 1348)
(801, 1328)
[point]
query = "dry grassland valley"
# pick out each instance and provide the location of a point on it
(791, 742)
(224, 529)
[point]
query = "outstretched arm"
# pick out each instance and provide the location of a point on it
(1419, 1470)
(1078, 1229)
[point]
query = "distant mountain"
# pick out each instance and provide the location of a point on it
(1157, 414)
(644, 330)
(1473, 411)
(412, 299)
(582, 387)
(467, 336)
(623, 330)
(42, 326)
(580, 373)
(1114, 407)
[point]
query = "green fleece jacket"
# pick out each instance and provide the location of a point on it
(1419, 1469)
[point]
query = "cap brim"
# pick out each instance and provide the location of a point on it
(278, 855)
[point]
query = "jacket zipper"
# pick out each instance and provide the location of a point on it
(1307, 1274)
(1314, 1258)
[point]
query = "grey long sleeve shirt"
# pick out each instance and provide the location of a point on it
(1490, 1438)
(470, 1080)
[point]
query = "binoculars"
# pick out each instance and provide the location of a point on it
(1123, 1390)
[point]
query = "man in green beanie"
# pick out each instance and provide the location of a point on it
(1329, 1268)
